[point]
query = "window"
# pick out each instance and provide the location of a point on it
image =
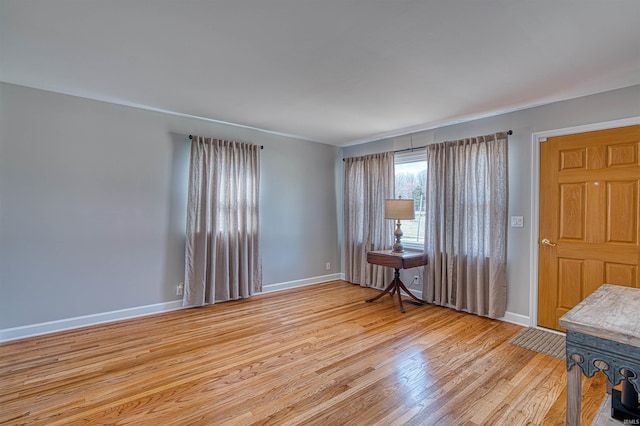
(410, 178)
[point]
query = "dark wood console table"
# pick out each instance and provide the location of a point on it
(397, 261)
(603, 334)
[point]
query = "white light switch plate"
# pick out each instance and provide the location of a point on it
(517, 221)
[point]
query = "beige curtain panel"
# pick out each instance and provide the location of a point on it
(466, 224)
(369, 181)
(222, 259)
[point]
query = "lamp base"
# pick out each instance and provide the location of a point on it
(397, 247)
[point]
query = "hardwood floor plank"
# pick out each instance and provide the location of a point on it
(312, 355)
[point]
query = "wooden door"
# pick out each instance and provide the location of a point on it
(589, 213)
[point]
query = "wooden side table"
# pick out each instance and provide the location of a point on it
(397, 261)
(603, 334)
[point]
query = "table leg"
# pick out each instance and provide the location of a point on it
(391, 288)
(406, 290)
(398, 284)
(394, 288)
(574, 392)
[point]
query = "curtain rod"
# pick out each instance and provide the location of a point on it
(191, 137)
(509, 132)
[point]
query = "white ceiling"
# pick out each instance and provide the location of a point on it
(333, 71)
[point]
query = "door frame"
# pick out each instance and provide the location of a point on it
(536, 139)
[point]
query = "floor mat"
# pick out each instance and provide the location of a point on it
(542, 341)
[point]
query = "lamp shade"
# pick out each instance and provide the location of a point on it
(399, 209)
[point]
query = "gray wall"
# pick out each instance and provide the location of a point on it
(93, 195)
(608, 106)
(93, 199)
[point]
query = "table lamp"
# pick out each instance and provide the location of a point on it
(398, 209)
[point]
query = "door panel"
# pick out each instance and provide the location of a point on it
(589, 196)
(620, 274)
(622, 212)
(572, 208)
(572, 277)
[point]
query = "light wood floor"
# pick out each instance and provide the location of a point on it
(314, 355)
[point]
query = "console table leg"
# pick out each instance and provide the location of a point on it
(399, 296)
(394, 288)
(389, 288)
(408, 292)
(574, 392)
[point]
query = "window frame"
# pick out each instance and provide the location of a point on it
(409, 157)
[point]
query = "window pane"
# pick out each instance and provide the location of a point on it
(410, 180)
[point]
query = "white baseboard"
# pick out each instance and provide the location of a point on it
(270, 288)
(22, 332)
(517, 319)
